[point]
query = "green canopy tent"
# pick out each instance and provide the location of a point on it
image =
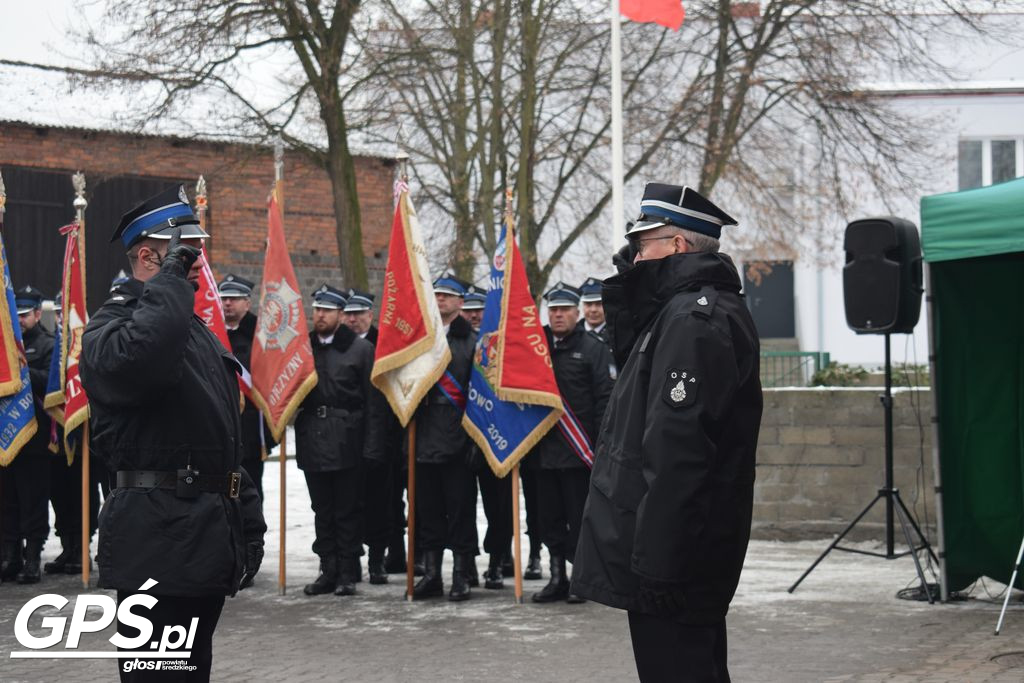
(973, 245)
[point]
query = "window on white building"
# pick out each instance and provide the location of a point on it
(988, 161)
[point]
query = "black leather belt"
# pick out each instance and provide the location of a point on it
(228, 484)
(325, 411)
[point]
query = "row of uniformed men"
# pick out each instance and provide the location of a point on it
(349, 454)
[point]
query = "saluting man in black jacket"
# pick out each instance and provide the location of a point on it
(667, 521)
(26, 490)
(163, 395)
(445, 483)
(583, 370)
(236, 297)
(334, 431)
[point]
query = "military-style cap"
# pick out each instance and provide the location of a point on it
(681, 207)
(562, 295)
(235, 287)
(328, 297)
(449, 284)
(157, 217)
(358, 301)
(590, 290)
(475, 299)
(28, 299)
(119, 279)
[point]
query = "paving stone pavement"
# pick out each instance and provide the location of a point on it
(843, 624)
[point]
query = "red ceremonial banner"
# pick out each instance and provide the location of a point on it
(210, 310)
(73, 319)
(667, 13)
(524, 360)
(282, 358)
(412, 350)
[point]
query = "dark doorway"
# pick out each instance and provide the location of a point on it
(39, 202)
(769, 289)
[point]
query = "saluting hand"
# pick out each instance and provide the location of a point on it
(180, 257)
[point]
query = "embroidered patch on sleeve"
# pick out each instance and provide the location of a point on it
(680, 388)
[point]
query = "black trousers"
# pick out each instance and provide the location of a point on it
(66, 497)
(26, 494)
(529, 479)
(335, 497)
(666, 650)
(254, 466)
(377, 504)
(446, 508)
(497, 498)
(173, 611)
(561, 495)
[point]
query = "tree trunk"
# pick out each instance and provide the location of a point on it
(348, 231)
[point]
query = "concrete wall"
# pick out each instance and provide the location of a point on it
(820, 460)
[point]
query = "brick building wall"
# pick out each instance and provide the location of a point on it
(238, 179)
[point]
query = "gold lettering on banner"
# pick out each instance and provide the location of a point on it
(390, 292)
(291, 368)
(530, 316)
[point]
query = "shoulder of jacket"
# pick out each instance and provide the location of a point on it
(701, 303)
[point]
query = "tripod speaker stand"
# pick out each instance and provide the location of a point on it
(894, 506)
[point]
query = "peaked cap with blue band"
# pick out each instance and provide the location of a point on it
(449, 284)
(329, 297)
(680, 207)
(475, 300)
(562, 295)
(591, 290)
(28, 299)
(157, 217)
(358, 301)
(235, 287)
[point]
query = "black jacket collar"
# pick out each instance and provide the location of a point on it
(460, 328)
(343, 338)
(569, 341)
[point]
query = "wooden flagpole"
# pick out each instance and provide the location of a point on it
(78, 181)
(283, 457)
(410, 555)
(517, 543)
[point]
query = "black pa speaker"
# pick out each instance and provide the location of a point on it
(882, 280)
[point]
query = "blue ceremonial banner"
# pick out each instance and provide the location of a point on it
(512, 400)
(17, 414)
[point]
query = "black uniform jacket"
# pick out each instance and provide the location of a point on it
(39, 353)
(583, 369)
(671, 492)
(163, 394)
(241, 345)
(440, 437)
(338, 424)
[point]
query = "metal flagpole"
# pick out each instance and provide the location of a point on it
(282, 498)
(1009, 587)
(517, 543)
(78, 182)
(617, 173)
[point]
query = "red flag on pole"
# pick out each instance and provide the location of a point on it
(210, 310)
(667, 13)
(73, 319)
(412, 351)
(282, 358)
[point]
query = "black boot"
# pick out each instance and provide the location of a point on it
(558, 586)
(574, 599)
(328, 579)
(375, 566)
(59, 564)
(460, 578)
(418, 565)
(508, 566)
(348, 569)
(11, 560)
(74, 563)
(431, 585)
(30, 572)
(493, 576)
(394, 563)
(532, 572)
(472, 575)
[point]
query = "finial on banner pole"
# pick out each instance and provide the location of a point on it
(278, 159)
(201, 201)
(78, 182)
(510, 219)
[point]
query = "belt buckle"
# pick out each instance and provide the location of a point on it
(234, 484)
(321, 412)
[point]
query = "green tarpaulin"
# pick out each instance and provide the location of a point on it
(974, 244)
